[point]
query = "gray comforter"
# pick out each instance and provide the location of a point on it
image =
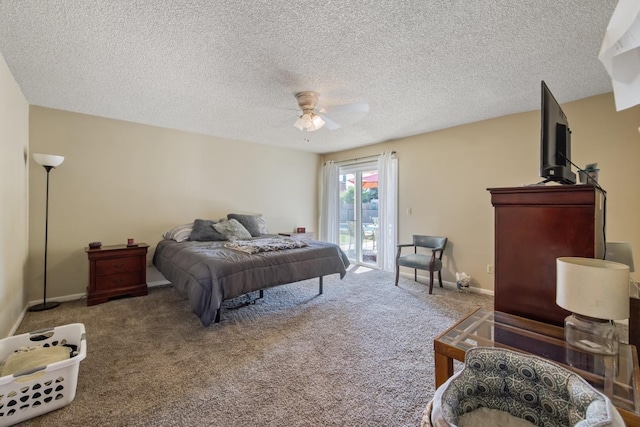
(207, 273)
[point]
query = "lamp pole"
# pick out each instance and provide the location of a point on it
(45, 305)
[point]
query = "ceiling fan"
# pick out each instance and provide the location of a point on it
(314, 118)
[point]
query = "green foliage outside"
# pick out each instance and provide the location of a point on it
(348, 195)
(368, 194)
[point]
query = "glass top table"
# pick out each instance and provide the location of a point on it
(616, 376)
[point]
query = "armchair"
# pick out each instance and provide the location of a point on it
(421, 261)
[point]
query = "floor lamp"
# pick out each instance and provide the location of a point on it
(48, 161)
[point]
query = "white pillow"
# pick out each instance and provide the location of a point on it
(180, 233)
(232, 230)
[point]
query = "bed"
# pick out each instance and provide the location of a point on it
(208, 272)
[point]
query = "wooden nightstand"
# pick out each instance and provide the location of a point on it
(116, 271)
(310, 235)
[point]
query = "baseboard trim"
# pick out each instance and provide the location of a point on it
(446, 284)
(64, 298)
(15, 326)
(158, 283)
(77, 297)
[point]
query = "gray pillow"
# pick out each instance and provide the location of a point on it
(232, 230)
(203, 231)
(255, 224)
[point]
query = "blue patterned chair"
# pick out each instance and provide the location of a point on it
(525, 387)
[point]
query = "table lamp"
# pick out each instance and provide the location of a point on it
(597, 293)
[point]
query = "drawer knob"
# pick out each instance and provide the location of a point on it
(118, 265)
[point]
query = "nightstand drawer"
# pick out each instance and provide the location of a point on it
(114, 281)
(117, 265)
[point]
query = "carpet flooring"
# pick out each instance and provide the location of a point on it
(361, 354)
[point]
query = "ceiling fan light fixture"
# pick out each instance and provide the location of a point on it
(317, 121)
(303, 122)
(309, 121)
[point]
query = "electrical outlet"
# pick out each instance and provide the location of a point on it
(490, 268)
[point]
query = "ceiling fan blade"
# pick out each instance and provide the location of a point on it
(356, 107)
(329, 124)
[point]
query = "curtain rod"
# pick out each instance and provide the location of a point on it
(359, 158)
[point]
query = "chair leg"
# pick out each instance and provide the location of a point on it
(415, 275)
(430, 282)
(397, 273)
(440, 277)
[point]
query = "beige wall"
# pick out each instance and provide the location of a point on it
(121, 179)
(444, 177)
(14, 149)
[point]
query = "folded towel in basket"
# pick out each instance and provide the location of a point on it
(28, 358)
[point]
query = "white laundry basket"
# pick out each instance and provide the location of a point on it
(46, 388)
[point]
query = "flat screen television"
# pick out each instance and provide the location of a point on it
(555, 141)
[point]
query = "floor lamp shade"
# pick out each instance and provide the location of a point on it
(48, 161)
(596, 292)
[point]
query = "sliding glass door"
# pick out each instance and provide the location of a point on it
(359, 212)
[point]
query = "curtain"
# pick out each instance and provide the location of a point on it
(330, 204)
(387, 210)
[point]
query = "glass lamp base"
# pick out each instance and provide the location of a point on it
(590, 334)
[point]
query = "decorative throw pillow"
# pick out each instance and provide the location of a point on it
(255, 224)
(204, 231)
(180, 233)
(232, 230)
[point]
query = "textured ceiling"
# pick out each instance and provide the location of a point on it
(231, 68)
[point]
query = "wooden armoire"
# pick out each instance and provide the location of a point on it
(533, 226)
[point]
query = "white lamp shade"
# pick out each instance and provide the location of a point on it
(593, 287)
(620, 252)
(48, 159)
